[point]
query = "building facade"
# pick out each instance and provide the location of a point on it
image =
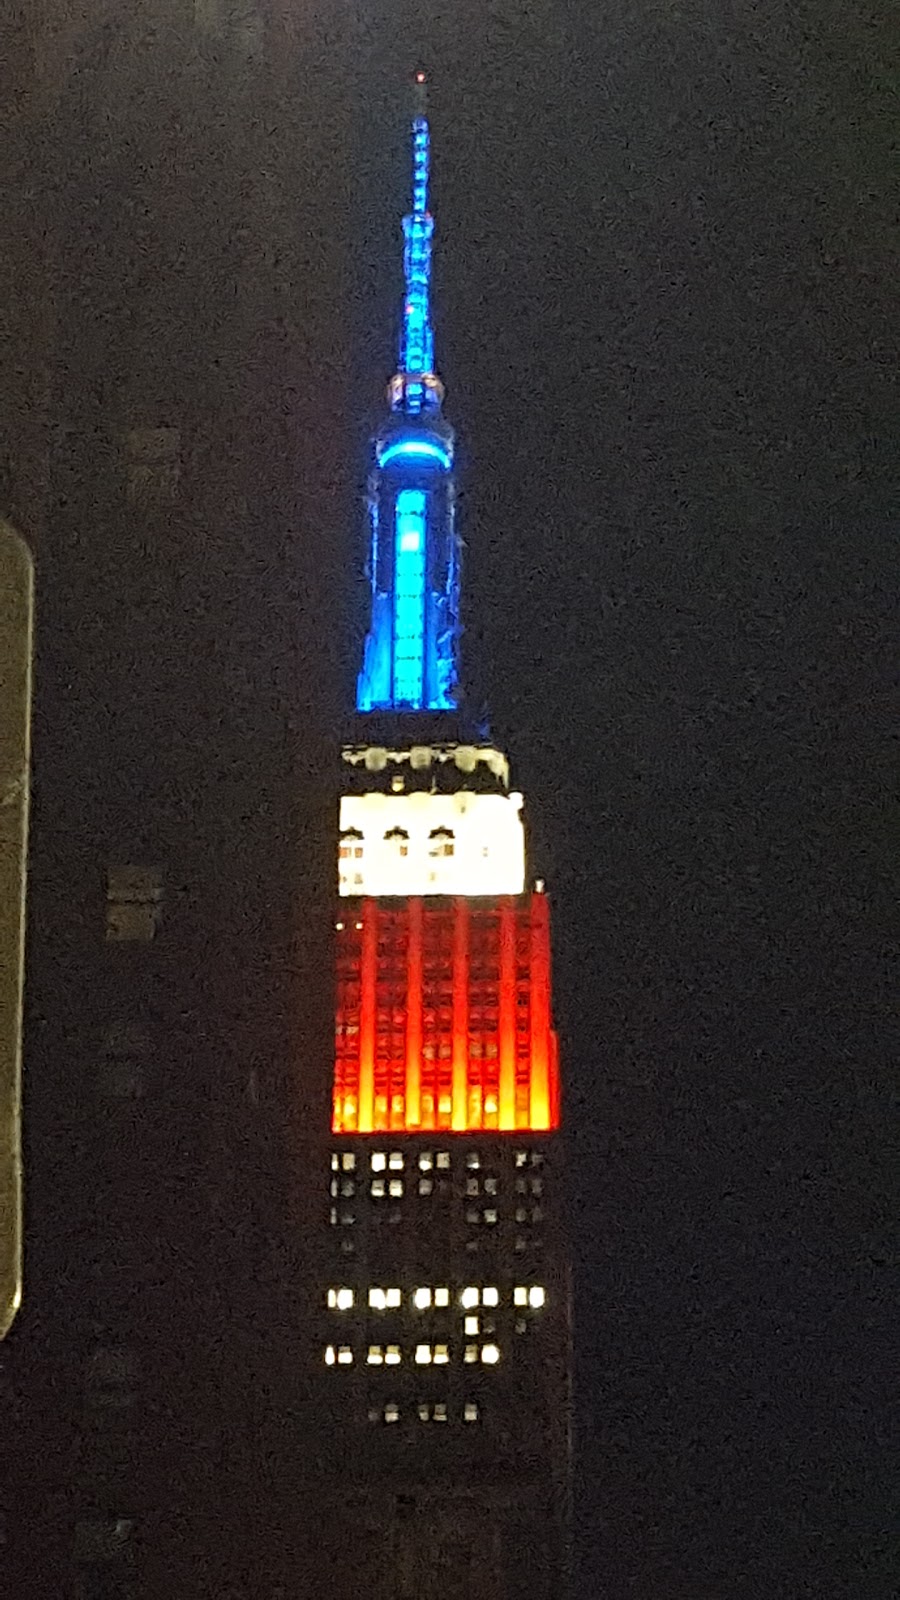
(444, 1329)
(172, 262)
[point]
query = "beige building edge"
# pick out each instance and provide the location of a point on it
(16, 620)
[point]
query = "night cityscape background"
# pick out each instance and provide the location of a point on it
(666, 323)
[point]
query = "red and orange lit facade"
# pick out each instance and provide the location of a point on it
(443, 1017)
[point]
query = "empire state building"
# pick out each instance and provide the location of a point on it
(445, 1316)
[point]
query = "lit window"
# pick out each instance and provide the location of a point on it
(440, 1412)
(348, 1161)
(537, 1185)
(537, 1158)
(442, 1297)
(345, 1356)
(348, 1187)
(490, 1216)
(393, 1297)
(333, 1216)
(442, 1159)
(379, 1161)
(344, 1299)
(490, 1297)
(521, 1158)
(471, 1186)
(378, 1299)
(441, 1355)
(334, 1163)
(536, 1296)
(521, 1186)
(392, 1355)
(334, 1188)
(426, 1161)
(395, 1161)
(520, 1297)
(490, 1100)
(375, 1356)
(422, 1299)
(490, 1353)
(347, 1219)
(470, 1412)
(392, 1412)
(425, 1186)
(470, 1325)
(377, 1188)
(332, 1299)
(469, 1298)
(329, 1355)
(423, 1355)
(490, 1185)
(395, 1188)
(472, 1218)
(424, 1413)
(521, 1214)
(521, 1325)
(473, 1159)
(471, 1353)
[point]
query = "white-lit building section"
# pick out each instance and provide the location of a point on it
(425, 844)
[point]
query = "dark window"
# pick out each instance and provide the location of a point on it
(133, 903)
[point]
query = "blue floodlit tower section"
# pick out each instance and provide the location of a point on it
(411, 659)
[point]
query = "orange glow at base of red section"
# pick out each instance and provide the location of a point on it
(443, 1017)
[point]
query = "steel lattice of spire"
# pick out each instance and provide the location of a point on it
(416, 338)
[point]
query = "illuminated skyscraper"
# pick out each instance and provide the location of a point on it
(445, 1315)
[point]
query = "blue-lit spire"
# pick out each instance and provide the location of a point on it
(415, 386)
(417, 338)
(411, 653)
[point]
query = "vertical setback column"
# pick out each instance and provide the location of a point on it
(507, 1014)
(540, 1013)
(367, 1000)
(460, 1048)
(414, 1016)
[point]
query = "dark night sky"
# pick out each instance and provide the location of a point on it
(665, 323)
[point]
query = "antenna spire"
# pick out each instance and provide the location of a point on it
(416, 387)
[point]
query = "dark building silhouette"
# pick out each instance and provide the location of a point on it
(171, 418)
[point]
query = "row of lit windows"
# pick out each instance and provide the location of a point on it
(440, 1412)
(392, 1188)
(395, 1160)
(424, 1297)
(424, 1355)
(441, 843)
